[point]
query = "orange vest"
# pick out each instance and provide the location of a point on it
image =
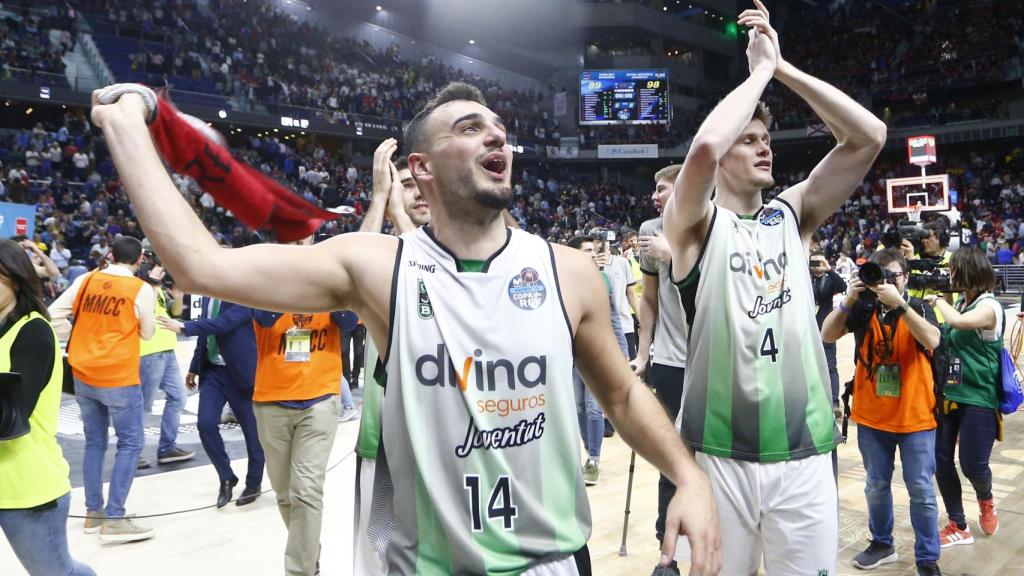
(912, 411)
(104, 346)
(279, 380)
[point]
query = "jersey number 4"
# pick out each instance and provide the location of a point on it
(499, 505)
(768, 347)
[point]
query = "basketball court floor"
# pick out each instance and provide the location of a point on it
(194, 538)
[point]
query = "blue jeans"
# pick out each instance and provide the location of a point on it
(160, 370)
(590, 416)
(917, 453)
(40, 540)
(99, 406)
(346, 395)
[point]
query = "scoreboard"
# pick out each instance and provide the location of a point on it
(624, 97)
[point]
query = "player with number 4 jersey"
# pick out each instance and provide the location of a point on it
(757, 399)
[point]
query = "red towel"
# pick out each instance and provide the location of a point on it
(256, 200)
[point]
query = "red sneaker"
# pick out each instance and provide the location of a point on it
(988, 521)
(952, 535)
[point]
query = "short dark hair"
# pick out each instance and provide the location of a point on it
(937, 228)
(402, 163)
(414, 138)
(627, 233)
(972, 270)
(578, 241)
(126, 250)
(16, 267)
(885, 257)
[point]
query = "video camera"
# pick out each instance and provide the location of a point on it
(149, 262)
(935, 277)
(905, 230)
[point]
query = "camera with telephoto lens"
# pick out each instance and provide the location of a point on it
(872, 274)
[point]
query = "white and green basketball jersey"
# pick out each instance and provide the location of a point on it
(757, 386)
(480, 434)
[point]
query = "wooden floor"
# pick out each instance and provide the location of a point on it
(250, 541)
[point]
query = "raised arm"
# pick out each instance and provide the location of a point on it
(637, 415)
(396, 205)
(373, 221)
(688, 211)
(859, 134)
(303, 279)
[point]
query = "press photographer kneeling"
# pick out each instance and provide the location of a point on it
(894, 402)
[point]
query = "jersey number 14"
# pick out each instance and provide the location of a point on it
(499, 505)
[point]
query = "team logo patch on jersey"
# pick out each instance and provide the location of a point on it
(526, 290)
(772, 217)
(423, 306)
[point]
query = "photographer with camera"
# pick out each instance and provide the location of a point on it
(158, 363)
(930, 264)
(894, 402)
(826, 283)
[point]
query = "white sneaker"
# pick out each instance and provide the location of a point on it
(348, 414)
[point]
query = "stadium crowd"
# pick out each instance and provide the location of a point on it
(259, 54)
(82, 208)
(907, 72)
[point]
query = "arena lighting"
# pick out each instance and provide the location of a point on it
(29, 110)
(44, 92)
(222, 114)
(379, 7)
(471, 41)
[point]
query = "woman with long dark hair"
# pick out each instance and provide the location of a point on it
(34, 489)
(970, 411)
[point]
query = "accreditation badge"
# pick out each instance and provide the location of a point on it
(887, 381)
(954, 372)
(297, 345)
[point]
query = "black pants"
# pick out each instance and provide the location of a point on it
(976, 428)
(631, 344)
(357, 339)
(668, 387)
(833, 373)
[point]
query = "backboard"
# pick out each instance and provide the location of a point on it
(930, 193)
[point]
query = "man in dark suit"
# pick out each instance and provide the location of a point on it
(225, 364)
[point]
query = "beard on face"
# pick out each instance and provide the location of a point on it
(464, 187)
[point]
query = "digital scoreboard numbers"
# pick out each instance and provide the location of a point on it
(624, 97)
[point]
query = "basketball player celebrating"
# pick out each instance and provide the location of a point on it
(756, 402)
(477, 335)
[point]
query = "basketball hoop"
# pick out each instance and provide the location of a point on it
(914, 213)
